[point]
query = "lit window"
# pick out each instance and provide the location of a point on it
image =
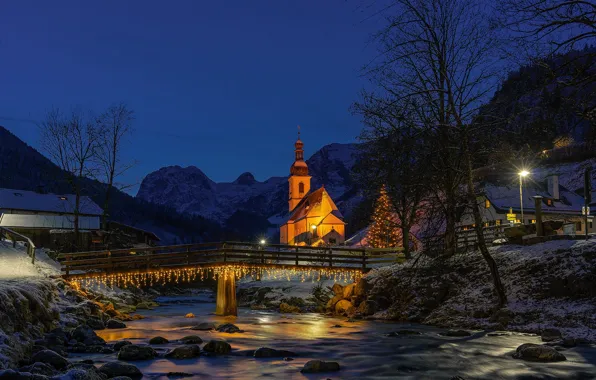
(486, 203)
(549, 202)
(485, 224)
(62, 198)
(498, 222)
(532, 221)
(301, 188)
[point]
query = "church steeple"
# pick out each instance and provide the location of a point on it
(299, 178)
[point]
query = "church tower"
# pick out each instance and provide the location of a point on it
(299, 178)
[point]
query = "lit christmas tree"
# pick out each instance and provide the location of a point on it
(383, 231)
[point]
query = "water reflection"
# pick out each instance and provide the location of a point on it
(361, 348)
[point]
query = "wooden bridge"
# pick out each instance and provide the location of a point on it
(224, 261)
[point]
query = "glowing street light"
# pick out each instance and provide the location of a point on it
(263, 241)
(522, 174)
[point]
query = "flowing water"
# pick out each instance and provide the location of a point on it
(362, 348)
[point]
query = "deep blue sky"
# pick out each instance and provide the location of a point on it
(216, 84)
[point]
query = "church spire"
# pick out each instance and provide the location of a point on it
(298, 148)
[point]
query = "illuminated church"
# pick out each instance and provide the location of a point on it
(314, 218)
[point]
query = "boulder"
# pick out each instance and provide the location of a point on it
(86, 335)
(189, 315)
(455, 333)
(185, 352)
(114, 369)
(10, 374)
(191, 339)
(266, 352)
(40, 369)
(51, 358)
(229, 328)
(204, 326)
(333, 301)
(118, 345)
(551, 335)
(362, 287)
(217, 347)
(338, 289)
(81, 374)
(158, 340)
(313, 366)
(403, 333)
(538, 353)
(287, 308)
(343, 306)
(367, 307)
(134, 352)
(115, 324)
(95, 323)
(348, 291)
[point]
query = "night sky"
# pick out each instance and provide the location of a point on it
(216, 84)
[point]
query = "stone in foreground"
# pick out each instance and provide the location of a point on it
(204, 326)
(313, 366)
(229, 328)
(192, 339)
(217, 347)
(538, 353)
(185, 352)
(158, 340)
(114, 369)
(115, 324)
(133, 352)
(266, 352)
(51, 358)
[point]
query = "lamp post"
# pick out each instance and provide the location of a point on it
(313, 229)
(522, 174)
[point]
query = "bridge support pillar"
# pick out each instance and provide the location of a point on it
(226, 295)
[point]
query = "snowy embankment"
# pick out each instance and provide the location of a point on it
(549, 285)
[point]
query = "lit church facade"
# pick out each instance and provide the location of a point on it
(313, 218)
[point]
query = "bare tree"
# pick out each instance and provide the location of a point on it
(391, 156)
(71, 142)
(441, 56)
(114, 125)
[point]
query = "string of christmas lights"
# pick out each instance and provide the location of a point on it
(171, 276)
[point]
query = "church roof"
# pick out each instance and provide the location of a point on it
(308, 202)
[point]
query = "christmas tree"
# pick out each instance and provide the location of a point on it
(383, 232)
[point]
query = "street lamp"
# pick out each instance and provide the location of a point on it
(263, 241)
(313, 228)
(522, 174)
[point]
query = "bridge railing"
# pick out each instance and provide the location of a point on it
(218, 253)
(15, 236)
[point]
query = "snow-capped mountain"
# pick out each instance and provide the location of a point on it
(189, 190)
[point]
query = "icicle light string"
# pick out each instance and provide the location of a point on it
(175, 276)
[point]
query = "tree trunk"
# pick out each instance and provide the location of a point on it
(76, 218)
(492, 264)
(405, 231)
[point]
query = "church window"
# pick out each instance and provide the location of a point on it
(486, 203)
(301, 188)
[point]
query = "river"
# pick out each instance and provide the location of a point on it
(362, 348)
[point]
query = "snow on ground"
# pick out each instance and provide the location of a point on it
(551, 284)
(15, 263)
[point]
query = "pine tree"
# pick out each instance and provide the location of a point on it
(383, 232)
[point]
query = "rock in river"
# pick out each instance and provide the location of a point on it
(266, 352)
(538, 353)
(113, 369)
(313, 366)
(455, 333)
(86, 335)
(134, 352)
(51, 358)
(229, 328)
(550, 335)
(217, 347)
(192, 339)
(158, 340)
(118, 345)
(185, 352)
(115, 324)
(204, 326)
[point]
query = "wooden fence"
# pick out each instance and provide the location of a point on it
(224, 253)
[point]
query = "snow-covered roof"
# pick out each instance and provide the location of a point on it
(504, 197)
(54, 203)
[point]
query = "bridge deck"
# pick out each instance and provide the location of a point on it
(222, 254)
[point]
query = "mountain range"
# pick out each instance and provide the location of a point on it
(189, 191)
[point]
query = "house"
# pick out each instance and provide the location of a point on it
(500, 204)
(313, 218)
(42, 217)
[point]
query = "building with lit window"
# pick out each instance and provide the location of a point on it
(313, 218)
